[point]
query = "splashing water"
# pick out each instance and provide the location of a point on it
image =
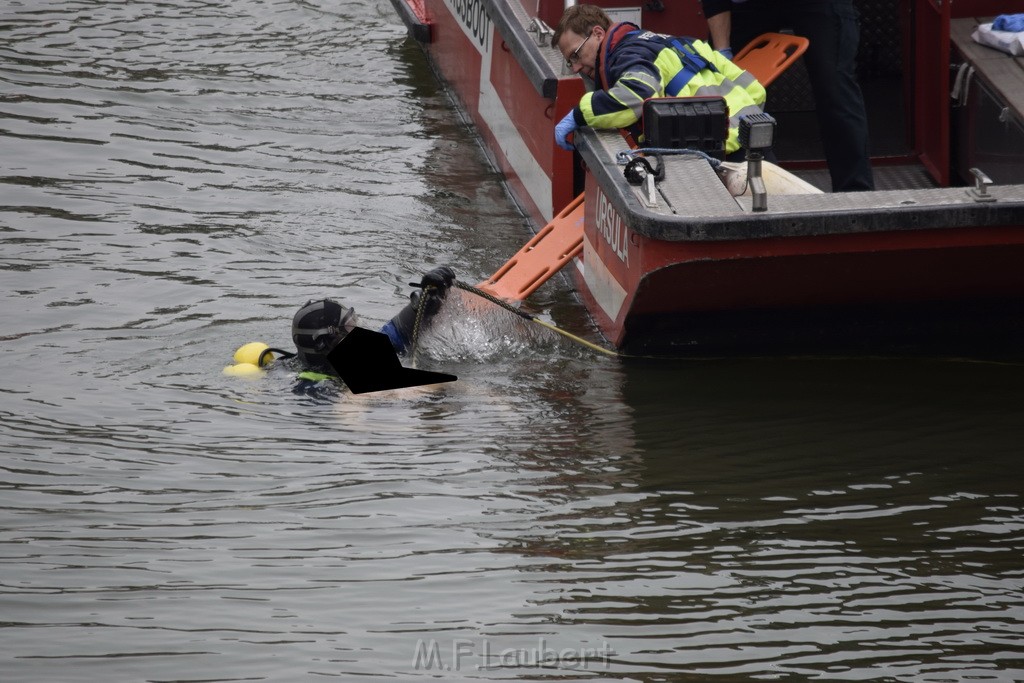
(469, 328)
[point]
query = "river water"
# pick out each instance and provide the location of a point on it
(178, 177)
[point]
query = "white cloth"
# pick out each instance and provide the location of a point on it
(1007, 41)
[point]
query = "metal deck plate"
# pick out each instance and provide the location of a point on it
(690, 188)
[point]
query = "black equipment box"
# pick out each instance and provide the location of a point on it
(700, 123)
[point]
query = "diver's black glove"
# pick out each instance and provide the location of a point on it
(440, 278)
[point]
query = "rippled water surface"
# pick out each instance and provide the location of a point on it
(176, 178)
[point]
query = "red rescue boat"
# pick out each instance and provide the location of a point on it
(687, 265)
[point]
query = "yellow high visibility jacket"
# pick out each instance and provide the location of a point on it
(635, 65)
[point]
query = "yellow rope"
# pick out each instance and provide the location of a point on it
(522, 314)
(568, 335)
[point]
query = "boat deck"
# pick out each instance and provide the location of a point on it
(692, 203)
(887, 177)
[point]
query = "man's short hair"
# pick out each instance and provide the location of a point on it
(581, 20)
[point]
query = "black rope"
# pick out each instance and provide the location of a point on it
(421, 307)
(635, 176)
(264, 352)
(493, 299)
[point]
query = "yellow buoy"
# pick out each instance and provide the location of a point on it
(243, 370)
(250, 353)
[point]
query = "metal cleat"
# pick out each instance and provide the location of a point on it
(542, 32)
(980, 190)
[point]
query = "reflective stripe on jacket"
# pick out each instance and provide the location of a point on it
(635, 65)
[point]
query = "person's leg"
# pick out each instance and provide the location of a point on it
(833, 30)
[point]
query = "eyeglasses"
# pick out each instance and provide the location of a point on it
(574, 56)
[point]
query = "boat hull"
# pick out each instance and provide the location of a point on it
(877, 280)
(508, 89)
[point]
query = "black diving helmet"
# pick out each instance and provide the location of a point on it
(318, 327)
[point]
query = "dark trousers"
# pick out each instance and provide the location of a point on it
(832, 27)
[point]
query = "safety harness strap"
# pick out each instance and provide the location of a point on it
(692, 64)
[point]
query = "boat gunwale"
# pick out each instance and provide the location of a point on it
(852, 213)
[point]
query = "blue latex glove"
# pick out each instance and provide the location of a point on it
(563, 130)
(1009, 22)
(726, 52)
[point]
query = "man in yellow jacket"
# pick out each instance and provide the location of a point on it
(629, 65)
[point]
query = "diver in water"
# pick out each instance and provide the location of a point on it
(330, 344)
